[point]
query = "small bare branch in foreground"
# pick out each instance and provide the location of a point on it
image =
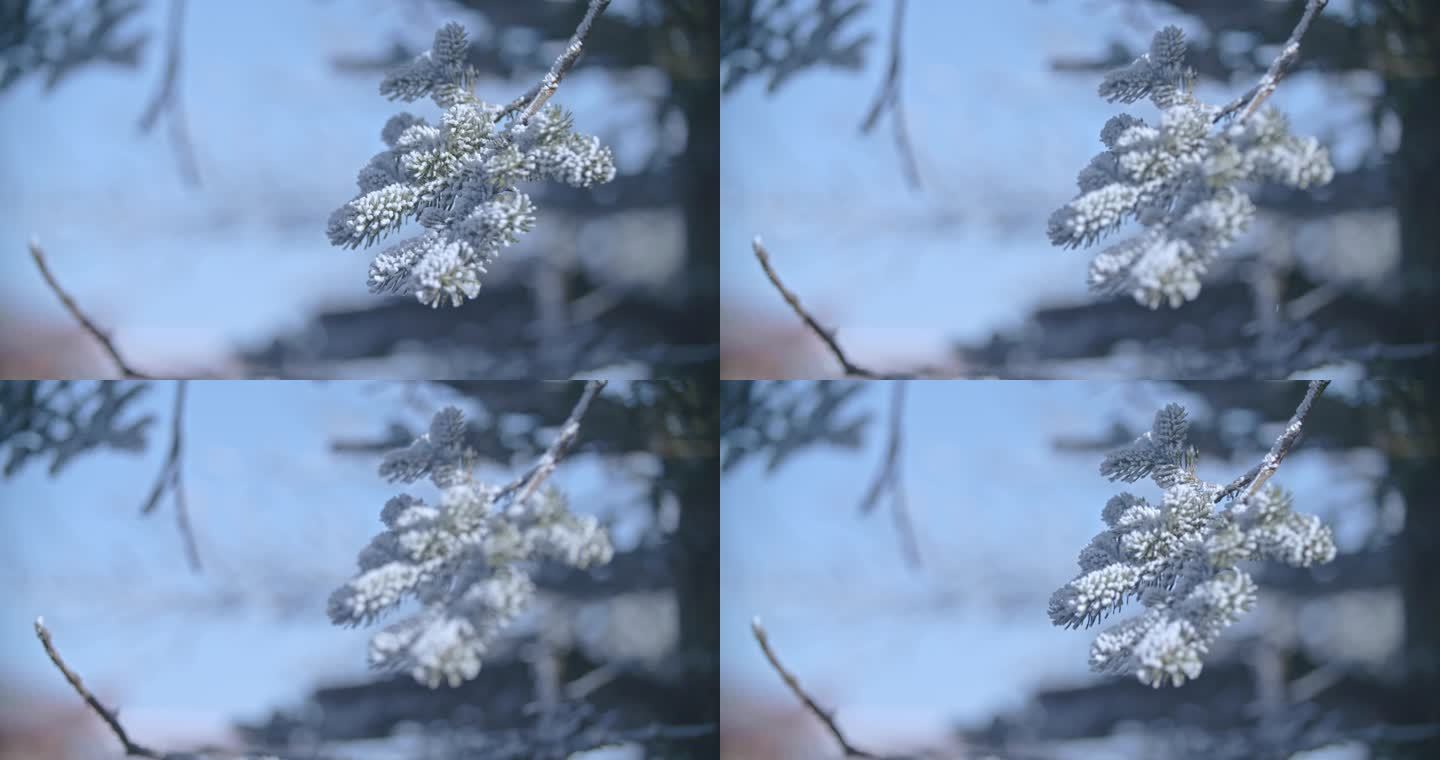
(108, 715)
(825, 716)
(827, 336)
(100, 335)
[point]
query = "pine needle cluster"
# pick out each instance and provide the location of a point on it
(466, 559)
(1180, 557)
(1182, 179)
(459, 179)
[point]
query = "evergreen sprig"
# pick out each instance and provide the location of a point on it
(459, 179)
(1179, 179)
(1179, 557)
(466, 559)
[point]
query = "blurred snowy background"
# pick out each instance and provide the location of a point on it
(1000, 108)
(283, 493)
(1003, 492)
(280, 100)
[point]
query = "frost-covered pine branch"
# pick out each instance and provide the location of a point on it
(1180, 557)
(1183, 182)
(459, 179)
(467, 558)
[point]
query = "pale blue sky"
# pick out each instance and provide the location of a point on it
(1000, 517)
(279, 519)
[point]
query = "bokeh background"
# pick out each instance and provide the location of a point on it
(955, 654)
(283, 493)
(955, 274)
(209, 256)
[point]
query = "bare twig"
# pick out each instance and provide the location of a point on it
(167, 99)
(109, 716)
(888, 477)
(182, 516)
(535, 98)
(100, 335)
(825, 716)
(1251, 481)
(888, 96)
(1283, 63)
(525, 486)
(171, 479)
(851, 369)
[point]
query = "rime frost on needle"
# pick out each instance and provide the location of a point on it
(458, 179)
(466, 559)
(1179, 179)
(1179, 557)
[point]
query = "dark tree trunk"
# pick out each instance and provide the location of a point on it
(1412, 90)
(694, 477)
(1417, 561)
(696, 82)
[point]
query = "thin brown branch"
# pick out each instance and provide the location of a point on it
(1251, 481)
(850, 368)
(100, 335)
(167, 98)
(171, 479)
(182, 522)
(1283, 63)
(536, 97)
(108, 715)
(888, 97)
(900, 513)
(526, 485)
(888, 478)
(825, 716)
